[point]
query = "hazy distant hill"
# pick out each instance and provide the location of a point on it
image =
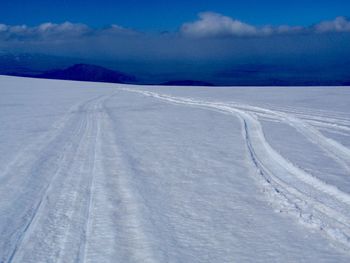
(86, 72)
(187, 83)
(251, 74)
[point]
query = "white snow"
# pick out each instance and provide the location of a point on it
(93, 172)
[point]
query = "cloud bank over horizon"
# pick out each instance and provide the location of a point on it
(212, 43)
(208, 24)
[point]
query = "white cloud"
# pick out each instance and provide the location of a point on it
(216, 25)
(44, 30)
(46, 27)
(64, 27)
(339, 24)
(66, 30)
(213, 24)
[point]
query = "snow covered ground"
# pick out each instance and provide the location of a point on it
(114, 173)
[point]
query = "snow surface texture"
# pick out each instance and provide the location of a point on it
(116, 173)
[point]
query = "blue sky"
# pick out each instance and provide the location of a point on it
(159, 15)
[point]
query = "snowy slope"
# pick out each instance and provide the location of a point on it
(114, 173)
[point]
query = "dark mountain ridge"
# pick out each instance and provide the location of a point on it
(255, 74)
(86, 72)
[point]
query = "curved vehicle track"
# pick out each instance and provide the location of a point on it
(313, 201)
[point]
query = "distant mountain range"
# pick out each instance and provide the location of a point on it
(85, 72)
(263, 74)
(28, 65)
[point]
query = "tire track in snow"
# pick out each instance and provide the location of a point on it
(33, 224)
(83, 246)
(329, 121)
(312, 114)
(28, 155)
(23, 171)
(296, 192)
(306, 197)
(335, 150)
(38, 207)
(118, 229)
(331, 127)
